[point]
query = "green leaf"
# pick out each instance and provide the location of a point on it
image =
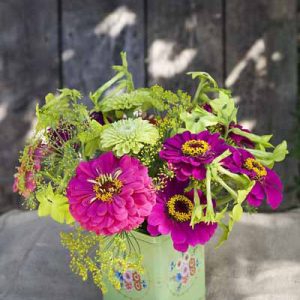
(198, 120)
(123, 79)
(237, 212)
(220, 215)
(91, 138)
(261, 140)
(269, 158)
(242, 194)
(225, 108)
(205, 76)
(224, 235)
(44, 209)
(55, 205)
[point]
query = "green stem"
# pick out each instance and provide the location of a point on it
(98, 93)
(226, 131)
(236, 177)
(208, 188)
(198, 91)
(226, 187)
(224, 200)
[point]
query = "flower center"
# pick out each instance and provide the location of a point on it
(106, 186)
(195, 147)
(254, 165)
(180, 208)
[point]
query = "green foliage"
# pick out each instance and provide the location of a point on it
(262, 142)
(122, 81)
(224, 108)
(206, 85)
(57, 106)
(198, 120)
(269, 158)
(90, 138)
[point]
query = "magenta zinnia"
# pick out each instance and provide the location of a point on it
(189, 153)
(172, 215)
(267, 183)
(109, 195)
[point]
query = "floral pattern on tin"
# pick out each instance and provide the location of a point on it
(131, 280)
(184, 269)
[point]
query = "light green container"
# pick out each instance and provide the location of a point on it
(168, 275)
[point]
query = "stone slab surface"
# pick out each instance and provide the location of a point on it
(260, 262)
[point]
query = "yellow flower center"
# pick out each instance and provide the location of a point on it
(254, 165)
(195, 147)
(180, 208)
(105, 187)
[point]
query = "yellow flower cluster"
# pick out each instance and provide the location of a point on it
(101, 257)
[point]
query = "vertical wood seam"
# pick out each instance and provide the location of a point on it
(224, 43)
(146, 79)
(60, 43)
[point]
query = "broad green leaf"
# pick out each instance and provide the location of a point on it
(225, 109)
(237, 212)
(55, 205)
(44, 209)
(242, 194)
(198, 120)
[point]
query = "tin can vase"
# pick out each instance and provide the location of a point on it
(168, 274)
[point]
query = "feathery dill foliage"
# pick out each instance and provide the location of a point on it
(101, 257)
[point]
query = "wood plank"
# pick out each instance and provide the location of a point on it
(94, 34)
(184, 36)
(28, 70)
(261, 56)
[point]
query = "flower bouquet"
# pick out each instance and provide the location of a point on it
(143, 178)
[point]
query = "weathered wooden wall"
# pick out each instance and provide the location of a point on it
(249, 46)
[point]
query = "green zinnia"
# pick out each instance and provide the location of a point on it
(127, 136)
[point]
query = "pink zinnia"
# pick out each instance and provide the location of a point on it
(109, 195)
(28, 186)
(24, 181)
(172, 215)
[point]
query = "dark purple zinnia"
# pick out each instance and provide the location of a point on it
(239, 140)
(189, 153)
(61, 134)
(97, 116)
(267, 183)
(172, 215)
